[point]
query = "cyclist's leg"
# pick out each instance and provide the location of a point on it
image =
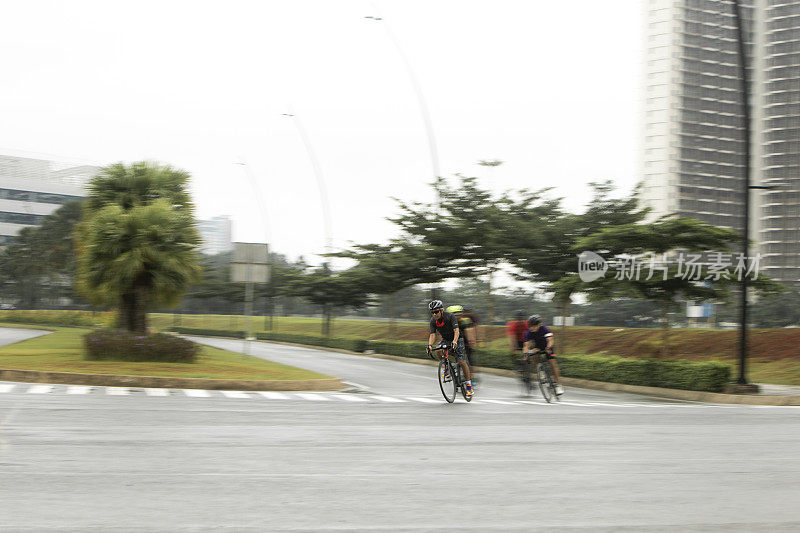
(461, 357)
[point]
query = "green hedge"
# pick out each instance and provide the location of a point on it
(55, 318)
(711, 376)
(236, 334)
(117, 345)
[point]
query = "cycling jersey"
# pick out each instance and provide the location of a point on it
(539, 337)
(517, 329)
(445, 325)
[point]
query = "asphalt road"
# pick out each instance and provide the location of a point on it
(396, 459)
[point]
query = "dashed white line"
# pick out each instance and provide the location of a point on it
(388, 399)
(157, 392)
(196, 393)
(235, 394)
(349, 398)
(424, 400)
(78, 389)
(313, 397)
(118, 391)
(40, 389)
(7, 387)
(273, 395)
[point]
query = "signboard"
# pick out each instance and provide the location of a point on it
(250, 263)
(559, 321)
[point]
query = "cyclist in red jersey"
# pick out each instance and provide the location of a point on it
(515, 332)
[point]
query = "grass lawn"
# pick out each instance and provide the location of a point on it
(62, 351)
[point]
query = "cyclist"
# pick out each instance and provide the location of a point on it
(515, 332)
(469, 332)
(540, 337)
(446, 325)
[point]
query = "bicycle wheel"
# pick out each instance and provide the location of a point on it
(525, 379)
(543, 377)
(462, 385)
(447, 381)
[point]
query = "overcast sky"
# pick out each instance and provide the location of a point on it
(551, 88)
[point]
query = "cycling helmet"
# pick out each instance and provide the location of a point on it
(519, 313)
(533, 320)
(436, 304)
(455, 309)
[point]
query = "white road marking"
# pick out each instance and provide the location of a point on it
(40, 389)
(196, 393)
(313, 397)
(424, 400)
(118, 391)
(503, 402)
(388, 399)
(7, 387)
(235, 394)
(273, 395)
(157, 392)
(349, 397)
(78, 389)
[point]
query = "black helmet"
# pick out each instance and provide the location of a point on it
(519, 313)
(533, 320)
(436, 304)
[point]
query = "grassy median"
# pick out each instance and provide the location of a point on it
(62, 351)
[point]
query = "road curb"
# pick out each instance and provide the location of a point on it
(114, 380)
(674, 394)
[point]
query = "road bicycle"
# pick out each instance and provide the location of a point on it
(451, 378)
(544, 376)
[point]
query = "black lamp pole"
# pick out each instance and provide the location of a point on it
(746, 234)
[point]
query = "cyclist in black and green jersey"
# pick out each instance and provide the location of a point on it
(446, 325)
(469, 332)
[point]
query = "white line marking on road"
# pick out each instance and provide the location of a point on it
(196, 393)
(388, 399)
(7, 387)
(79, 389)
(349, 398)
(157, 392)
(235, 394)
(273, 395)
(40, 389)
(118, 391)
(531, 402)
(503, 402)
(357, 385)
(424, 400)
(313, 397)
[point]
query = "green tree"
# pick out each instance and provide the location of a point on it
(137, 240)
(40, 263)
(666, 286)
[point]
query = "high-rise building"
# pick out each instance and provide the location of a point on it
(215, 235)
(31, 189)
(693, 160)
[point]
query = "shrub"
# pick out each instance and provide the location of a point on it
(57, 318)
(237, 334)
(117, 345)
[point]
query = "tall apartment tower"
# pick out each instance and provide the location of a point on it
(693, 160)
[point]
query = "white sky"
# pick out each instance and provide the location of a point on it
(552, 88)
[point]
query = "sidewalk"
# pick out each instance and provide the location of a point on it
(777, 390)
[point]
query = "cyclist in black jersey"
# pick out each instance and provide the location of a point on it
(469, 332)
(446, 325)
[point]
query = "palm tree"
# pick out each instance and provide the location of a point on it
(137, 241)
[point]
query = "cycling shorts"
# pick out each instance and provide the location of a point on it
(460, 353)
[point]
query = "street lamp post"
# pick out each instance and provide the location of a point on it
(742, 380)
(426, 118)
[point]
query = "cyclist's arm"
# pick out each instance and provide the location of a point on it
(431, 339)
(469, 335)
(528, 346)
(550, 340)
(456, 334)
